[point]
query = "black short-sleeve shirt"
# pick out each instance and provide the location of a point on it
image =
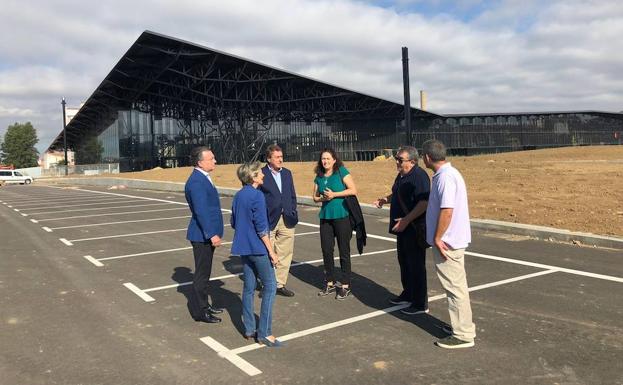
(411, 188)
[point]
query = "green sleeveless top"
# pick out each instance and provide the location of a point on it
(335, 208)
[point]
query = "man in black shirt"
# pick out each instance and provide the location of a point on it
(409, 199)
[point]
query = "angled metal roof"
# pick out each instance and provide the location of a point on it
(175, 78)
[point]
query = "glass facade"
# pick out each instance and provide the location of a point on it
(137, 141)
(471, 134)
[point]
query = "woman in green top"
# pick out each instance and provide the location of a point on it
(333, 182)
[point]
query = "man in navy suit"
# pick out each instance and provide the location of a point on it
(205, 228)
(278, 189)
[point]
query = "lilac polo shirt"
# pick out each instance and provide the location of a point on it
(448, 191)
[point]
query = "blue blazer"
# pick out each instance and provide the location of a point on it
(205, 206)
(279, 203)
(248, 219)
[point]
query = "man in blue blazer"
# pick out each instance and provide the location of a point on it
(278, 189)
(205, 228)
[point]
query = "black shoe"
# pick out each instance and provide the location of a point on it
(412, 310)
(207, 318)
(214, 310)
(284, 291)
(328, 289)
(398, 301)
(342, 293)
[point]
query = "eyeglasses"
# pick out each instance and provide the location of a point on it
(400, 160)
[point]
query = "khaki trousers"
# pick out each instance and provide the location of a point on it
(283, 244)
(451, 273)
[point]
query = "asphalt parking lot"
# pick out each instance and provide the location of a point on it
(95, 291)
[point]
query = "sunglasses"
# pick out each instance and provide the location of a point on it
(400, 160)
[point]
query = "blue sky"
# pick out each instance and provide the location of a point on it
(469, 55)
(465, 11)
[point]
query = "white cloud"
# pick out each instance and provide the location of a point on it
(11, 112)
(514, 56)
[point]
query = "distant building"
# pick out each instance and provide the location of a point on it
(166, 96)
(70, 112)
(53, 158)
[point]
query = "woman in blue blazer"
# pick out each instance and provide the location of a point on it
(252, 243)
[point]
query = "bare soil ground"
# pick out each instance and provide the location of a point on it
(574, 188)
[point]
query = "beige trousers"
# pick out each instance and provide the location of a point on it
(283, 244)
(451, 273)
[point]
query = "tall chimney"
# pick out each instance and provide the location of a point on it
(423, 100)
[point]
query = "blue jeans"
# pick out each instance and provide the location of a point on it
(260, 265)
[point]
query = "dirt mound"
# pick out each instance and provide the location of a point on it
(574, 188)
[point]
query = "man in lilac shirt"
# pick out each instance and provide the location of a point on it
(448, 231)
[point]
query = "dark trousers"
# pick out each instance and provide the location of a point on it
(412, 261)
(331, 229)
(203, 253)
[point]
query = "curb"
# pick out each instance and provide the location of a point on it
(539, 232)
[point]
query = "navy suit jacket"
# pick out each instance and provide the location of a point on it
(205, 206)
(278, 203)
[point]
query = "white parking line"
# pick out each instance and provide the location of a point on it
(239, 274)
(119, 222)
(543, 266)
(231, 357)
(49, 230)
(139, 292)
(226, 353)
(93, 261)
(127, 235)
(102, 215)
(137, 197)
(368, 235)
(52, 199)
(146, 253)
(34, 221)
(96, 208)
(108, 201)
(65, 241)
(131, 234)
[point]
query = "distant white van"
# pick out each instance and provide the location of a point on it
(12, 176)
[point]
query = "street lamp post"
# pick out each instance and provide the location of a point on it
(65, 138)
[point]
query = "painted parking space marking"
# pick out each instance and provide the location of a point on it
(235, 359)
(108, 201)
(108, 214)
(127, 235)
(233, 275)
(119, 222)
(97, 208)
(49, 230)
(225, 353)
(65, 241)
(543, 266)
(170, 250)
(93, 261)
(139, 292)
(138, 197)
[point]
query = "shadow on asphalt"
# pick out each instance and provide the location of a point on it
(225, 299)
(370, 294)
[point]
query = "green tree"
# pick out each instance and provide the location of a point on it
(89, 152)
(18, 147)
